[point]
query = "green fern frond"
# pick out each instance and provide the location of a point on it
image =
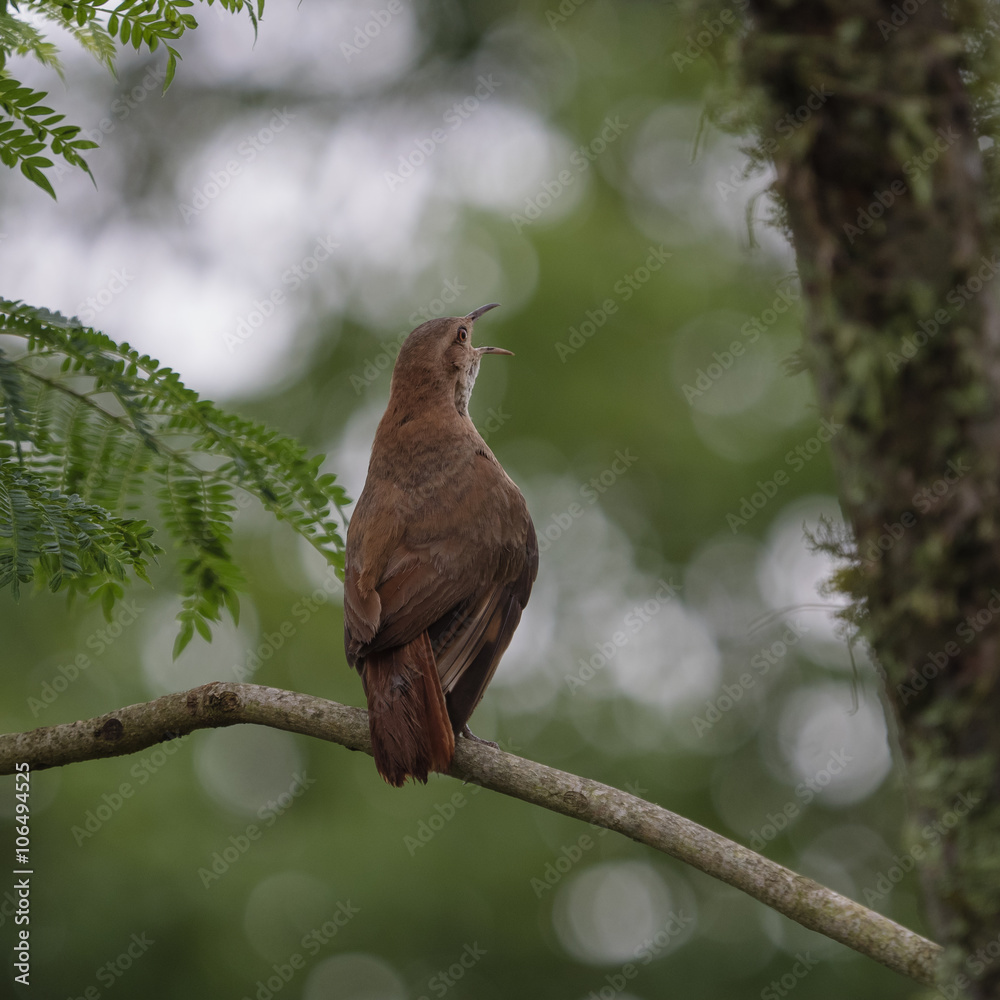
(92, 36)
(58, 540)
(29, 133)
(21, 39)
(198, 513)
(27, 128)
(99, 422)
(15, 413)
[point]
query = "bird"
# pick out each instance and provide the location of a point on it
(441, 555)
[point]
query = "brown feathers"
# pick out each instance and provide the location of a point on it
(441, 557)
(407, 716)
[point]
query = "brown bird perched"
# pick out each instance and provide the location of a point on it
(441, 556)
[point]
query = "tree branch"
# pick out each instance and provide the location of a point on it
(219, 704)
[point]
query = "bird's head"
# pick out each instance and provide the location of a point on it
(439, 357)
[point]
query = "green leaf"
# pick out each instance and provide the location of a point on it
(108, 595)
(172, 58)
(183, 637)
(37, 177)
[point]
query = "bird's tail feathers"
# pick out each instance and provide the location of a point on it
(407, 716)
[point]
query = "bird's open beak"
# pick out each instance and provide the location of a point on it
(473, 316)
(476, 313)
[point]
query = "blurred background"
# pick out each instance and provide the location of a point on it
(272, 228)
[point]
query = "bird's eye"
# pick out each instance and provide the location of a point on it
(463, 334)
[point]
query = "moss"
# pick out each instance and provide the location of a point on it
(892, 213)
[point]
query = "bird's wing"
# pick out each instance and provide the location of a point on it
(417, 588)
(414, 592)
(469, 642)
(373, 536)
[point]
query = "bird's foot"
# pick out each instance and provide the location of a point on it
(470, 735)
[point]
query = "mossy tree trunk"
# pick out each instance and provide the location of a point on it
(872, 114)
